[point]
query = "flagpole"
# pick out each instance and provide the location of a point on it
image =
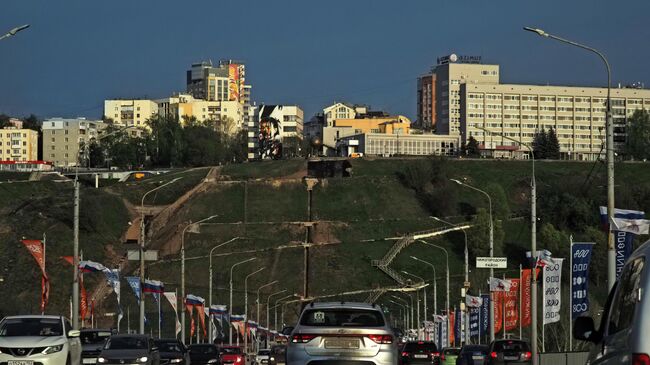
(521, 287)
(505, 296)
(128, 319)
(480, 309)
(570, 292)
(42, 277)
(159, 316)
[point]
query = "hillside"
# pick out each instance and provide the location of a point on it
(264, 204)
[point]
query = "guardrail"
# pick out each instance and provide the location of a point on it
(563, 358)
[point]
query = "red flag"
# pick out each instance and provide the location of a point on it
(498, 310)
(68, 259)
(190, 308)
(37, 249)
(526, 317)
(512, 313)
(83, 302)
(452, 323)
(201, 313)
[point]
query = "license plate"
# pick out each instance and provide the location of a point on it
(20, 362)
(477, 357)
(89, 361)
(342, 343)
(420, 356)
(511, 357)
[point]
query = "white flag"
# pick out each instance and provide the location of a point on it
(497, 284)
(636, 226)
(552, 290)
(171, 297)
(472, 301)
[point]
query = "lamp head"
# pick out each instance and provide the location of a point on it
(536, 30)
(457, 181)
(18, 29)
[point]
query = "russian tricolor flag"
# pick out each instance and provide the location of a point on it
(194, 300)
(236, 318)
(91, 266)
(153, 286)
(218, 309)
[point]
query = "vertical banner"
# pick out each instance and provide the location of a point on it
(113, 278)
(498, 310)
(474, 325)
(551, 291)
(134, 283)
(452, 327)
(458, 325)
(485, 315)
(37, 249)
(581, 257)
(512, 304)
(526, 317)
(190, 310)
(171, 298)
(623, 241)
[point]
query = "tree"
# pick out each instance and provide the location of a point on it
(478, 237)
(540, 144)
(472, 147)
(552, 145)
(638, 135)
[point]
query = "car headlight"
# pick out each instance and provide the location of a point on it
(52, 349)
(176, 361)
(272, 359)
(212, 361)
(143, 359)
(101, 360)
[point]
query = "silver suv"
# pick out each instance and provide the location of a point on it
(350, 333)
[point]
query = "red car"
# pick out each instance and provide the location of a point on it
(231, 355)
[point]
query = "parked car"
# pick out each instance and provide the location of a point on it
(172, 351)
(231, 355)
(509, 352)
(472, 355)
(262, 357)
(620, 337)
(203, 353)
(92, 341)
(448, 355)
(39, 339)
(129, 349)
(278, 355)
(420, 352)
(342, 332)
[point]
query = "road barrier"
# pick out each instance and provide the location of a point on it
(563, 358)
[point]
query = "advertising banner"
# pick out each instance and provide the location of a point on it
(580, 259)
(511, 305)
(474, 322)
(526, 317)
(485, 315)
(551, 291)
(498, 310)
(623, 239)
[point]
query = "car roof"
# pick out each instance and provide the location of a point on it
(355, 305)
(167, 340)
(34, 316)
(95, 330)
(131, 336)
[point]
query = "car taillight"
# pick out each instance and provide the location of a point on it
(527, 355)
(381, 339)
(302, 338)
(442, 357)
(493, 355)
(640, 359)
(239, 359)
(405, 354)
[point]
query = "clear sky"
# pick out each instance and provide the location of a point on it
(307, 52)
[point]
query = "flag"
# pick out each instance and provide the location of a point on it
(458, 327)
(194, 300)
(474, 325)
(153, 286)
(452, 326)
(68, 259)
(201, 312)
(541, 259)
(497, 284)
(485, 314)
(37, 249)
(83, 302)
(498, 310)
(623, 238)
(580, 256)
(113, 278)
(217, 309)
(134, 283)
(526, 317)
(619, 213)
(171, 298)
(90, 266)
(551, 291)
(472, 301)
(511, 304)
(190, 308)
(634, 226)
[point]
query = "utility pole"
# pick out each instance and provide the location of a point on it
(75, 260)
(310, 183)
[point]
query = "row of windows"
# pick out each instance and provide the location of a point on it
(15, 151)
(13, 135)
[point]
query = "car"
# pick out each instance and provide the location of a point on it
(341, 332)
(262, 357)
(92, 341)
(203, 353)
(39, 339)
(509, 352)
(620, 337)
(420, 352)
(129, 349)
(172, 351)
(448, 355)
(278, 355)
(472, 355)
(231, 355)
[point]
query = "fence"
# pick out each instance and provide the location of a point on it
(563, 358)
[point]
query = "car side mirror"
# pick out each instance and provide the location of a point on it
(74, 333)
(287, 331)
(585, 330)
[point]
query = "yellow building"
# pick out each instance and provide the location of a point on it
(130, 113)
(184, 106)
(348, 127)
(18, 144)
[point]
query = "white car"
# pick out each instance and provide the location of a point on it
(36, 339)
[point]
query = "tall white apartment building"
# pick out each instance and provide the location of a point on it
(62, 138)
(130, 112)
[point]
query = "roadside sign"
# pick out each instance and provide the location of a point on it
(491, 262)
(149, 255)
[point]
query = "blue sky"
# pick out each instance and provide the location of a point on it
(79, 52)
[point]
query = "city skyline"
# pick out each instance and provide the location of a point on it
(67, 71)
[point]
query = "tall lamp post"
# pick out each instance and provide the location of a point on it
(403, 308)
(275, 309)
(418, 299)
(230, 307)
(447, 273)
(258, 298)
(246, 307)
(435, 286)
(183, 269)
(13, 31)
(142, 245)
(268, 307)
(491, 248)
(406, 305)
(210, 283)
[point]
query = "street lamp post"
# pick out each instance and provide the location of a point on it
(406, 306)
(435, 286)
(257, 301)
(142, 245)
(230, 308)
(275, 309)
(268, 307)
(246, 308)
(13, 31)
(491, 249)
(403, 309)
(418, 299)
(183, 270)
(447, 260)
(210, 283)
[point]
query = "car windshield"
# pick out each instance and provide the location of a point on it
(205, 350)
(230, 350)
(420, 346)
(94, 337)
(31, 327)
(168, 346)
(126, 343)
(451, 352)
(264, 352)
(336, 317)
(280, 350)
(474, 350)
(510, 346)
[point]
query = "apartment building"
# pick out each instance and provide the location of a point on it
(277, 133)
(426, 102)
(17, 144)
(130, 112)
(576, 113)
(387, 144)
(184, 106)
(375, 122)
(63, 137)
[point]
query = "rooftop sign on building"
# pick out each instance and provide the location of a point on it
(454, 58)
